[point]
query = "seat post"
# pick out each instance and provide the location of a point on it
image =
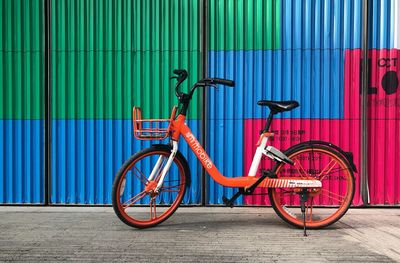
(269, 120)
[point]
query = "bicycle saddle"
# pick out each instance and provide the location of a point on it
(279, 106)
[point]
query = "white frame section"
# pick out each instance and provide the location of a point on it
(257, 156)
(167, 165)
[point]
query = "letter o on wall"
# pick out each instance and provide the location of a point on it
(390, 82)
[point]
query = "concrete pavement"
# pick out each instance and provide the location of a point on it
(194, 234)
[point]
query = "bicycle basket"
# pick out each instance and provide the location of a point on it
(150, 129)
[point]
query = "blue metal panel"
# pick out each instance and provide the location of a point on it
(225, 111)
(21, 161)
(87, 154)
(225, 147)
(313, 77)
(381, 24)
(321, 24)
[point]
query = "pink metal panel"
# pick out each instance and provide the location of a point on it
(383, 119)
(383, 126)
(289, 132)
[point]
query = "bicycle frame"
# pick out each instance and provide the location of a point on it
(178, 127)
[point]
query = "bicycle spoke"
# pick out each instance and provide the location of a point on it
(329, 167)
(170, 191)
(332, 194)
(134, 199)
(301, 168)
(141, 176)
(170, 187)
(324, 165)
(336, 170)
(156, 203)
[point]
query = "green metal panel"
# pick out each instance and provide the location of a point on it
(244, 24)
(21, 59)
(110, 55)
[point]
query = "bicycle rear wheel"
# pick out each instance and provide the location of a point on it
(325, 205)
(135, 200)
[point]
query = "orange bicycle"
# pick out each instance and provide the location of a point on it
(310, 186)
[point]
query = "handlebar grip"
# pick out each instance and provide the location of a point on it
(180, 72)
(182, 75)
(225, 82)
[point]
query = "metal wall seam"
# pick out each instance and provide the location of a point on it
(396, 22)
(21, 102)
(47, 102)
(106, 58)
(204, 62)
(364, 185)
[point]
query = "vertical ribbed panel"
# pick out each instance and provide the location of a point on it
(224, 131)
(88, 153)
(21, 161)
(21, 59)
(321, 24)
(382, 23)
(384, 126)
(21, 101)
(384, 103)
(107, 57)
(244, 24)
(306, 63)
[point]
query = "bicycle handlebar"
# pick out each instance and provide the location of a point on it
(207, 82)
(182, 75)
(225, 82)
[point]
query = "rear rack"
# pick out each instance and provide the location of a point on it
(150, 129)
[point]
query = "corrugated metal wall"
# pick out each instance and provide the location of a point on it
(237, 29)
(280, 50)
(21, 101)
(108, 56)
(384, 102)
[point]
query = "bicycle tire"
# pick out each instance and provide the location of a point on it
(118, 190)
(283, 211)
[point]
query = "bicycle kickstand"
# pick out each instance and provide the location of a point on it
(303, 199)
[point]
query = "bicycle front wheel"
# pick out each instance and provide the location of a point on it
(325, 205)
(135, 200)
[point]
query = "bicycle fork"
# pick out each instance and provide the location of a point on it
(165, 170)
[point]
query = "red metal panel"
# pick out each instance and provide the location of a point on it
(383, 119)
(383, 126)
(288, 132)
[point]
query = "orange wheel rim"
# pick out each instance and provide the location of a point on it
(153, 219)
(309, 208)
